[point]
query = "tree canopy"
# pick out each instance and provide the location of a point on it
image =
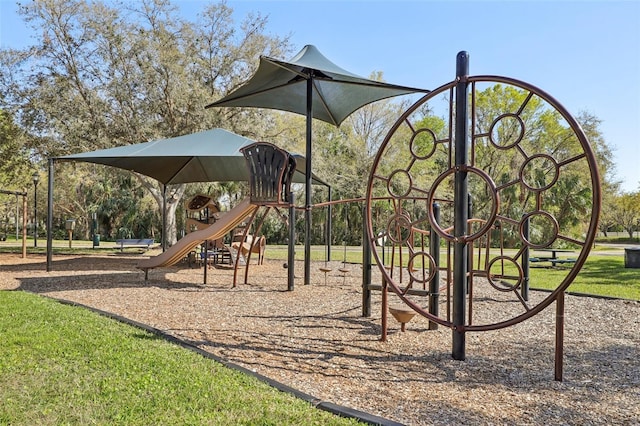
(110, 73)
(106, 74)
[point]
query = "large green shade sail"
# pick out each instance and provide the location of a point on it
(283, 86)
(209, 156)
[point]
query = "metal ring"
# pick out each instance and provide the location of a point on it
(489, 222)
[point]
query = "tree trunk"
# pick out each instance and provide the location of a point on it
(172, 230)
(174, 194)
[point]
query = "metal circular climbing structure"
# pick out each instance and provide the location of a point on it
(532, 189)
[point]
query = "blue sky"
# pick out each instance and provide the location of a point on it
(586, 54)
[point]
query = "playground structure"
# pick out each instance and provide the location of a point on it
(217, 230)
(271, 171)
(469, 267)
(202, 211)
(470, 233)
(443, 193)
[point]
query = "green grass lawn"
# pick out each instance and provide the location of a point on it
(601, 275)
(61, 364)
(65, 365)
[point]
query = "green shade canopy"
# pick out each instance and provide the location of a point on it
(313, 86)
(209, 156)
(337, 93)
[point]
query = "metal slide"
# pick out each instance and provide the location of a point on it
(219, 229)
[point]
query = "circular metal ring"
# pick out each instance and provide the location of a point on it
(413, 149)
(495, 284)
(528, 161)
(582, 152)
(395, 225)
(528, 216)
(494, 205)
(432, 267)
(395, 173)
(500, 118)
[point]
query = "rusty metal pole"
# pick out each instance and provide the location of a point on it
(328, 233)
(469, 257)
(461, 207)
(291, 253)
(559, 336)
(524, 291)
(384, 311)
(366, 266)
(434, 284)
(17, 217)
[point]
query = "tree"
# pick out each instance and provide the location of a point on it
(14, 159)
(627, 212)
(110, 74)
(547, 133)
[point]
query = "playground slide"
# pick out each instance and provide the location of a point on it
(219, 229)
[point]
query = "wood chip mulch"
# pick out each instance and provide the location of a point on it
(316, 340)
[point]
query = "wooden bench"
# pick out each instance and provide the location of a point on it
(134, 242)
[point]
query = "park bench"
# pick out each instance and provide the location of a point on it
(134, 242)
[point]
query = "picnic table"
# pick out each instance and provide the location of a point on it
(553, 259)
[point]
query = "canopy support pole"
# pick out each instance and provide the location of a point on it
(164, 219)
(17, 216)
(307, 207)
(50, 215)
(24, 226)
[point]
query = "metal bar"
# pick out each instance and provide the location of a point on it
(245, 232)
(524, 291)
(4, 191)
(50, 214)
(24, 231)
(461, 207)
(164, 219)
(329, 237)
(205, 262)
(559, 336)
(366, 266)
(384, 309)
(17, 216)
(409, 291)
(469, 283)
(35, 214)
(255, 241)
(434, 284)
(292, 243)
(307, 206)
